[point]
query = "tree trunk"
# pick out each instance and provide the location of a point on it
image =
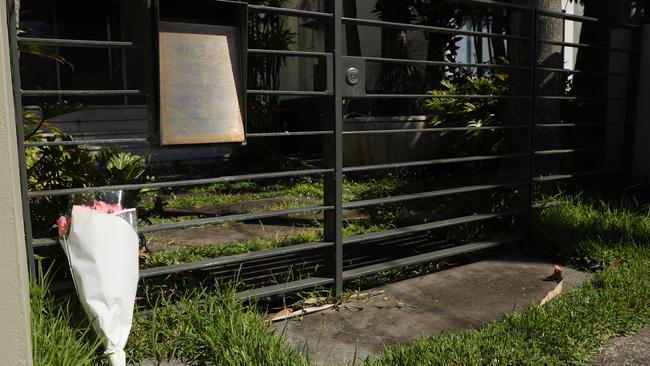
(499, 24)
(351, 30)
(550, 83)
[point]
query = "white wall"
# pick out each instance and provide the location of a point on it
(15, 337)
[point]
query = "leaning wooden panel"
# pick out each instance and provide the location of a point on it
(200, 87)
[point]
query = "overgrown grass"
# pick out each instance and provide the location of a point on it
(60, 333)
(224, 193)
(571, 329)
(213, 328)
(196, 253)
(200, 252)
(210, 327)
(584, 232)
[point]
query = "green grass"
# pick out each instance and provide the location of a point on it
(196, 253)
(200, 252)
(60, 333)
(583, 231)
(571, 329)
(211, 327)
(224, 193)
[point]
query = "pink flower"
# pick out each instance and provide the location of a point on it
(63, 223)
(102, 206)
(116, 207)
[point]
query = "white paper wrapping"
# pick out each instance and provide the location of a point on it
(102, 250)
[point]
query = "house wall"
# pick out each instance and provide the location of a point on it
(118, 122)
(15, 346)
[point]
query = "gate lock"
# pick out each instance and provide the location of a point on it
(352, 76)
(355, 81)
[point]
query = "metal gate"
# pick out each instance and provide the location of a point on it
(351, 108)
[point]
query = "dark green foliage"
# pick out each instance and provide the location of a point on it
(471, 112)
(60, 333)
(210, 327)
(59, 167)
(570, 329)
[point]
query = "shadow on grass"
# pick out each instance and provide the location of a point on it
(585, 232)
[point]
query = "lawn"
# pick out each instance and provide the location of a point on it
(210, 326)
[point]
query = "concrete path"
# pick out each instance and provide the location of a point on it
(452, 300)
(632, 350)
(268, 228)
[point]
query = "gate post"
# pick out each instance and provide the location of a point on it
(333, 195)
(15, 346)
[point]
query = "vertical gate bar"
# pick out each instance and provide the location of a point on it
(12, 23)
(149, 39)
(333, 182)
(533, 115)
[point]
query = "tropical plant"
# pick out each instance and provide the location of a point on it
(447, 111)
(56, 166)
(53, 167)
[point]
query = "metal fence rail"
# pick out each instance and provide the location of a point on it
(334, 249)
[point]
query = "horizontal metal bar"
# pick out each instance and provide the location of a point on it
(284, 288)
(587, 72)
(549, 125)
(465, 159)
(89, 142)
(434, 129)
(85, 93)
(582, 18)
(427, 257)
(290, 12)
(75, 42)
(181, 183)
(429, 96)
(554, 177)
(421, 195)
(229, 218)
(290, 92)
(584, 45)
(269, 267)
(429, 28)
(289, 133)
(436, 63)
(568, 151)
(259, 51)
(499, 4)
(428, 226)
(233, 259)
(45, 242)
(561, 97)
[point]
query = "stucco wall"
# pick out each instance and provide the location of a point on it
(15, 340)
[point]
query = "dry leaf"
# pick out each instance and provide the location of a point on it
(285, 314)
(282, 314)
(553, 293)
(556, 276)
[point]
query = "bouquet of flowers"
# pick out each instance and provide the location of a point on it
(100, 239)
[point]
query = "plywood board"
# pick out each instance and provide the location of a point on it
(200, 84)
